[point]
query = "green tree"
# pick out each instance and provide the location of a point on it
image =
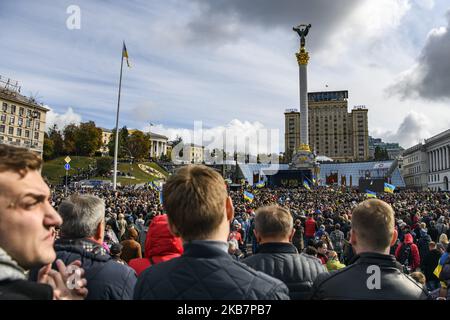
(88, 139)
(103, 165)
(69, 133)
(48, 147)
(123, 138)
(139, 145)
(58, 142)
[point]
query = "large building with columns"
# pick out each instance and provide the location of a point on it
(438, 151)
(427, 165)
(158, 145)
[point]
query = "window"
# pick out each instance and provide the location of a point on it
(38, 125)
(5, 106)
(21, 111)
(36, 135)
(12, 119)
(11, 130)
(20, 122)
(19, 132)
(28, 113)
(3, 118)
(13, 108)
(2, 128)
(27, 133)
(28, 123)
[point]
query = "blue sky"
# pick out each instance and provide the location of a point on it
(228, 63)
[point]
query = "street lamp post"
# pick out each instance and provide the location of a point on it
(34, 116)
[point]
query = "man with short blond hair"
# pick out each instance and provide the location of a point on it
(200, 211)
(278, 257)
(373, 274)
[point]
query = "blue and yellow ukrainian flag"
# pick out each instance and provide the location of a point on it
(371, 194)
(248, 196)
(125, 54)
(306, 185)
(260, 184)
(389, 188)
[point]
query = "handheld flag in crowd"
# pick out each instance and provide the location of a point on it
(389, 188)
(160, 197)
(371, 194)
(260, 184)
(306, 185)
(248, 196)
(125, 54)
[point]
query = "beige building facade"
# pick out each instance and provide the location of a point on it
(333, 131)
(22, 120)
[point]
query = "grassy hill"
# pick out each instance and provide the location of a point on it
(54, 170)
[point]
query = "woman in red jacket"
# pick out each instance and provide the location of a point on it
(160, 245)
(407, 253)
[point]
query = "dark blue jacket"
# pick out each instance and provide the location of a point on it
(206, 272)
(106, 278)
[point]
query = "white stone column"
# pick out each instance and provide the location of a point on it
(435, 160)
(303, 87)
(447, 148)
(430, 162)
(445, 157)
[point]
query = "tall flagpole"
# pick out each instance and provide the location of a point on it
(116, 145)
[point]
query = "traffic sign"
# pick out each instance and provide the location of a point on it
(67, 166)
(67, 159)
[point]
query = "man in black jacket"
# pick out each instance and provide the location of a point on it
(278, 257)
(429, 263)
(200, 211)
(27, 232)
(82, 234)
(374, 274)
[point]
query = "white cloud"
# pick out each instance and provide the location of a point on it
(61, 120)
(242, 136)
(414, 128)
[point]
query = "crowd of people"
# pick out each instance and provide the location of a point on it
(207, 242)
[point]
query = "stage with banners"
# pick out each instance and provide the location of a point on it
(289, 178)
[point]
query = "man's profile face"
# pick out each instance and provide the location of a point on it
(27, 219)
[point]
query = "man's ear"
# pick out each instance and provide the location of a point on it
(394, 237)
(100, 232)
(173, 230)
(229, 209)
(292, 235)
(257, 236)
(353, 237)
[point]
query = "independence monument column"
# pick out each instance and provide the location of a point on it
(302, 59)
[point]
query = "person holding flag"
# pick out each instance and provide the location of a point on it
(371, 194)
(306, 185)
(248, 196)
(389, 188)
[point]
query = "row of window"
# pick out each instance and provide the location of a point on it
(433, 178)
(19, 132)
(414, 170)
(20, 122)
(18, 142)
(412, 159)
(22, 111)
